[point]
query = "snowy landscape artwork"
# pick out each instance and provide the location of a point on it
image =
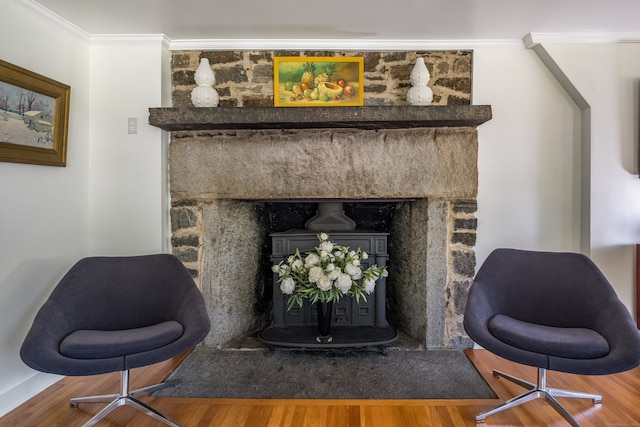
(26, 117)
(34, 117)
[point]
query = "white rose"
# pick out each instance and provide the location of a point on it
(369, 285)
(324, 255)
(344, 283)
(354, 271)
(311, 260)
(355, 262)
(326, 246)
(339, 254)
(315, 273)
(334, 274)
(323, 237)
(287, 286)
(324, 284)
(296, 265)
(364, 255)
(275, 268)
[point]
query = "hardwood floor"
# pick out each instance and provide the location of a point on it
(620, 407)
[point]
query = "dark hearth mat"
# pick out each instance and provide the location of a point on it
(328, 374)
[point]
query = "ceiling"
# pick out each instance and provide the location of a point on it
(356, 19)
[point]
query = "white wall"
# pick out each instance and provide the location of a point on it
(530, 155)
(44, 218)
(608, 76)
(528, 195)
(128, 191)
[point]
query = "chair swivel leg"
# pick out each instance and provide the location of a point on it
(539, 391)
(153, 388)
(106, 398)
(556, 392)
(522, 383)
(126, 397)
(511, 403)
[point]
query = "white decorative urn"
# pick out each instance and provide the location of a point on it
(420, 93)
(204, 95)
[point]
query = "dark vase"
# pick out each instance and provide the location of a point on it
(324, 310)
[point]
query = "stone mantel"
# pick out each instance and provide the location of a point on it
(375, 117)
(226, 164)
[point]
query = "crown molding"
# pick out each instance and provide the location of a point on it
(335, 44)
(45, 13)
(532, 39)
(131, 39)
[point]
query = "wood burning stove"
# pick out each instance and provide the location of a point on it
(354, 324)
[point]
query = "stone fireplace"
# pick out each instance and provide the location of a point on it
(232, 169)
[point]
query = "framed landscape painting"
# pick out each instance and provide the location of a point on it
(34, 117)
(323, 81)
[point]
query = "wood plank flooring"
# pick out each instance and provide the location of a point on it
(620, 407)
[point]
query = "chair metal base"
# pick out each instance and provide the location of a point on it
(126, 397)
(538, 391)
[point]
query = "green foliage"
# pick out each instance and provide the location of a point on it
(309, 66)
(330, 69)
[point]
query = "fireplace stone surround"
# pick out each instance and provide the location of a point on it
(228, 165)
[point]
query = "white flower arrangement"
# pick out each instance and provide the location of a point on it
(326, 274)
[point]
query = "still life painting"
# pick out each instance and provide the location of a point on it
(318, 81)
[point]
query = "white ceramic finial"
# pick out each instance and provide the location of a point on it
(420, 93)
(204, 95)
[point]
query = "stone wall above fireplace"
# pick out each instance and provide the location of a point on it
(422, 162)
(245, 78)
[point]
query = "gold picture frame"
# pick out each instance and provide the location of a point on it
(320, 81)
(34, 117)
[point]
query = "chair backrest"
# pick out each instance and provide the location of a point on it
(551, 288)
(564, 290)
(142, 290)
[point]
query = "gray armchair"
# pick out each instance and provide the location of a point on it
(552, 311)
(112, 314)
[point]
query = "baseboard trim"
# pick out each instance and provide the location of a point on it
(14, 397)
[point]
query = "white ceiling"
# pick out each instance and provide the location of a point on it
(353, 20)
